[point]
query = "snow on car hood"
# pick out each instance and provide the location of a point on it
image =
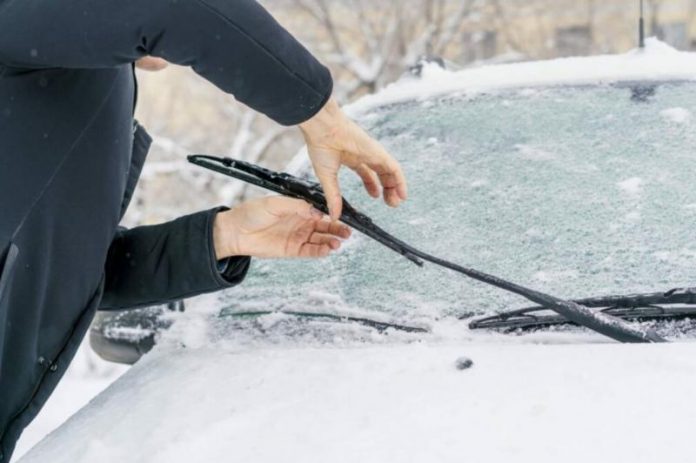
(657, 61)
(526, 403)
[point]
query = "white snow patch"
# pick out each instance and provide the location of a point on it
(676, 115)
(417, 221)
(533, 153)
(317, 297)
(548, 277)
(127, 333)
(631, 185)
(633, 216)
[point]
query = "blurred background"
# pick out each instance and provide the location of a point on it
(368, 44)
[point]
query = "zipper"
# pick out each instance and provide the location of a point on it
(49, 366)
(135, 89)
(5, 274)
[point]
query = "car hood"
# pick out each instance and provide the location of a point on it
(405, 402)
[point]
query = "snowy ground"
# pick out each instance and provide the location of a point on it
(522, 403)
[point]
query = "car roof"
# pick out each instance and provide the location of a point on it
(656, 62)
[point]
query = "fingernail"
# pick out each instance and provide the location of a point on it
(316, 212)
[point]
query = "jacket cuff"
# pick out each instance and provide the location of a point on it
(303, 113)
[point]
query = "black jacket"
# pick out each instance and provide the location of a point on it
(70, 156)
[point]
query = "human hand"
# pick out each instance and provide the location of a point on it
(151, 63)
(275, 227)
(334, 140)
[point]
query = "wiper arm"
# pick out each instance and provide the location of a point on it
(675, 304)
(288, 185)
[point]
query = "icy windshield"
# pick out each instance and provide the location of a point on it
(572, 191)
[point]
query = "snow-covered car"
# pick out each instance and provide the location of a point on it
(571, 176)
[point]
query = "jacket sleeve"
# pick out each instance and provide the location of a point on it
(234, 44)
(162, 263)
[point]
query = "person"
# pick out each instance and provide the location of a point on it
(71, 154)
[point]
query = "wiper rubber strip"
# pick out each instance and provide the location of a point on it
(377, 325)
(291, 186)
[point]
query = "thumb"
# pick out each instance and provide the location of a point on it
(332, 191)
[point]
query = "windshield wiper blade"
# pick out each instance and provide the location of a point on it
(673, 296)
(675, 304)
(288, 185)
(321, 316)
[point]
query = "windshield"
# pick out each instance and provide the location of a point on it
(572, 191)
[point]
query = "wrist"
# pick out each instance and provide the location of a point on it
(328, 117)
(225, 236)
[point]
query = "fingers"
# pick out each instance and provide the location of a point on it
(393, 186)
(313, 251)
(375, 158)
(283, 206)
(370, 180)
(333, 228)
(332, 192)
(323, 238)
(390, 176)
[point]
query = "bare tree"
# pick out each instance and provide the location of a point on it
(372, 43)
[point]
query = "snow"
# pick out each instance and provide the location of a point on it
(532, 153)
(127, 333)
(658, 61)
(631, 185)
(522, 403)
(676, 115)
